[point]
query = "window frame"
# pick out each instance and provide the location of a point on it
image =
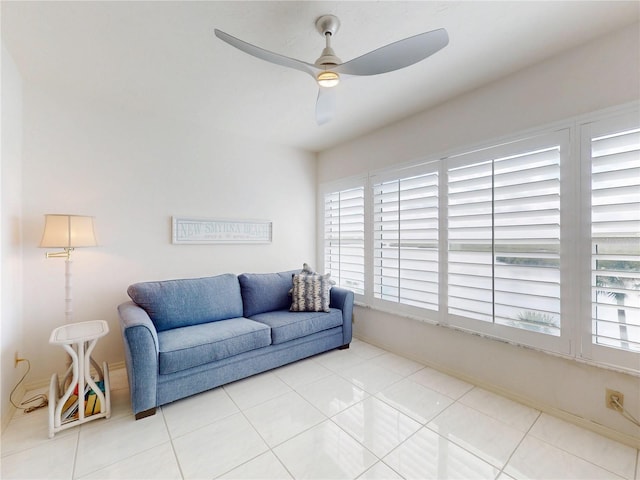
(424, 168)
(599, 354)
(557, 344)
(337, 187)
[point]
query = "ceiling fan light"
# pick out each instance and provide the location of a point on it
(328, 79)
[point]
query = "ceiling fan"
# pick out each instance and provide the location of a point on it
(328, 68)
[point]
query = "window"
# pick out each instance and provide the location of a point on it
(344, 237)
(615, 239)
(535, 241)
(504, 237)
(503, 240)
(405, 240)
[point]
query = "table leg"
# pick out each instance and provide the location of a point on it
(88, 361)
(69, 391)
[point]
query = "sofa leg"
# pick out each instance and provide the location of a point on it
(146, 413)
(344, 347)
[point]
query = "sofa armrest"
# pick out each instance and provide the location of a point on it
(343, 299)
(141, 355)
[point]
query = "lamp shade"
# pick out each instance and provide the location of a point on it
(68, 231)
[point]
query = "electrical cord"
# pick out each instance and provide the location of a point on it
(22, 406)
(624, 412)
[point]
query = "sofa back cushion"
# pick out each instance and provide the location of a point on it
(266, 292)
(180, 303)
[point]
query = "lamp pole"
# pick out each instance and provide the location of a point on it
(68, 283)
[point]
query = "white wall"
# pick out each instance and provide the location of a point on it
(598, 75)
(10, 231)
(133, 171)
(592, 77)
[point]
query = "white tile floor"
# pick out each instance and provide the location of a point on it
(358, 413)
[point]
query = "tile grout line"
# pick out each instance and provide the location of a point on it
(457, 400)
(173, 447)
(519, 444)
(326, 418)
(75, 455)
(579, 457)
(115, 462)
(269, 448)
(422, 425)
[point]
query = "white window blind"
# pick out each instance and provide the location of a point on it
(470, 233)
(344, 238)
(504, 238)
(615, 240)
(405, 241)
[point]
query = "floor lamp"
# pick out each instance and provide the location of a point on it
(67, 232)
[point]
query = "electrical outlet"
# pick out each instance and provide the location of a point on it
(17, 359)
(612, 397)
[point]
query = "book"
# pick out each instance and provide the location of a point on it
(90, 404)
(70, 407)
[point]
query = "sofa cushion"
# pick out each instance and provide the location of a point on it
(265, 292)
(187, 347)
(286, 325)
(180, 303)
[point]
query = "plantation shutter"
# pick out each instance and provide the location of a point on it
(527, 240)
(405, 236)
(504, 236)
(615, 240)
(344, 238)
(470, 231)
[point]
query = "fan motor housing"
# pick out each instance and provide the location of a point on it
(328, 58)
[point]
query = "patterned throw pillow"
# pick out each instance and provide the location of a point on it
(310, 292)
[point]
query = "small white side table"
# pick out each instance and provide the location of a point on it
(79, 340)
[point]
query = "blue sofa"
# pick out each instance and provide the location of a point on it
(182, 337)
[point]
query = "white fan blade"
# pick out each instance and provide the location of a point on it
(396, 55)
(267, 55)
(325, 105)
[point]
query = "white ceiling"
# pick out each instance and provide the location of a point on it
(162, 57)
